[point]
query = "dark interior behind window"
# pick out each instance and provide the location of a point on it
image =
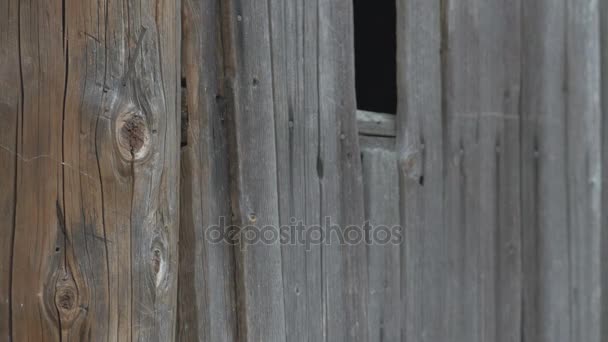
(375, 51)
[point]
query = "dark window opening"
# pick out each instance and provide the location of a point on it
(375, 55)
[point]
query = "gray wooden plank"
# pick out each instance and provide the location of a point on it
(500, 252)
(294, 27)
(583, 167)
(604, 210)
(339, 166)
(420, 144)
(253, 163)
(482, 167)
(467, 139)
(384, 252)
(206, 310)
(561, 169)
(546, 313)
(376, 124)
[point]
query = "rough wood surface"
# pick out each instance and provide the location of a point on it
(318, 168)
(420, 148)
(481, 96)
(384, 313)
(604, 208)
(339, 164)
(376, 124)
(458, 147)
(561, 170)
(10, 114)
(93, 130)
(294, 28)
(253, 163)
(501, 156)
(206, 273)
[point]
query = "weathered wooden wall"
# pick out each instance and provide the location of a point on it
(493, 165)
(500, 114)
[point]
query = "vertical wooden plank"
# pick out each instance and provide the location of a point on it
(482, 168)
(318, 171)
(604, 223)
(10, 112)
(583, 160)
(420, 145)
(561, 167)
(482, 165)
(384, 252)
(294, 27)
(39, 174)
(95, 229)
(206, 281)
(463, 236)
(546, 313)
(339, 165)
(253, 164)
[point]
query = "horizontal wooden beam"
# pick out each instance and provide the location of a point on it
(376, 124)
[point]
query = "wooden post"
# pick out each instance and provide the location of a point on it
(92, 126)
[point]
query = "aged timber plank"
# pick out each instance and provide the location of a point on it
(544, 208)
(604, 210)
(376, 124)
(561, 170)
(253, 164)
(36, 225)
(420, 140)
(95, 225)
(10, 112)
(206, 269)
(380, 178)
(318, 176)
(339, 165)
(294, 34)
(583, 160)
(482, 167)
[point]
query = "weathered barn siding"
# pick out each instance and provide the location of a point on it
(384, 309)
(420, 148)
(283, 74)
(500, 116)
(493, 165)
(207, 301)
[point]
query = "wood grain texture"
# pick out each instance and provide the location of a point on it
(95, 220)
(380, 175)
(10, 113)
(344, 265)
(561, 170)
(376, 124)
(420, 153)
(253, 163)
(294, 40)
(458, 131)
(206, 282)
(481, 97)
(583, 158)
(318, 171)
(604, 119)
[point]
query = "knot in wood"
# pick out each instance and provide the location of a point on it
(158, 263)
(66, 299)
(133, 135)
(156, 260)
